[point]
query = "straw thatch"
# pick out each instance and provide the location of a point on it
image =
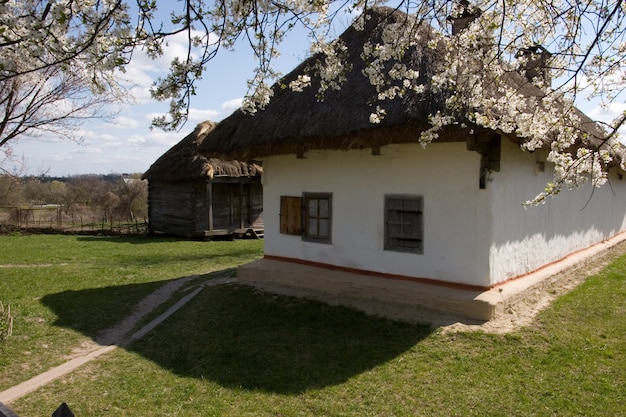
(296, 122)
(183, 162)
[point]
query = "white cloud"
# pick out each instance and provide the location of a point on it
(160, 138)
(91, 135)
(151, 115)
(141, 95)
(609, 113)
(197, 115)
(123, 122)
(142, 71)
(138, 74)
(137, 140)
(89, 150)
(232, 105)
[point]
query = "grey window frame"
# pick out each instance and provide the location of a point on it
(308, 235)
(408, 218)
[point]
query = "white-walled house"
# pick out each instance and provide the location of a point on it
(362, 211)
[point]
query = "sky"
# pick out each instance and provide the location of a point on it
(126, 144)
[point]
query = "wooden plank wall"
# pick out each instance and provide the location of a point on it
(181, 209)
(256, 212)
(171, 208)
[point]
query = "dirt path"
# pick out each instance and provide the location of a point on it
(119, 335)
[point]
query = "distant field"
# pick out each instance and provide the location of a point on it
(235, 351)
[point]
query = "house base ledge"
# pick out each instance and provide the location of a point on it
(410, 300)
(397, 299)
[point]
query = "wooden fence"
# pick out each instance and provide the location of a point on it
(54, 219)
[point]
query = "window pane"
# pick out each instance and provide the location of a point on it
(411, 205)
(323, 228)
(312, 227)
(312, 207)
(394, 203)
(410, 232)
(394, 216)
(323, 204)
(395, 229)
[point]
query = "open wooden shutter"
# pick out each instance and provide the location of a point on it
(291, 215)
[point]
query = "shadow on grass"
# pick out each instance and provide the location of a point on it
(134, 239)
(155, 255)
(243, 338)
(91, 311)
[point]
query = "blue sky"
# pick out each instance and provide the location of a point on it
(127, 145)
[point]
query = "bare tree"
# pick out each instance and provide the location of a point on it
(48, 101)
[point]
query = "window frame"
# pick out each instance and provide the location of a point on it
(393, 242)
(307, 235)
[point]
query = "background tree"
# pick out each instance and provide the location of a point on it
(109, 202)
(91, 188)
(133, 194)
(10, 190)
(585, 41)
(34, 192)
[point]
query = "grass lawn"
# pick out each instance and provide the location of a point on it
(235, 351)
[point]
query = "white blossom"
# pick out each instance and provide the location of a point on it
(300, 83)
(376, 117)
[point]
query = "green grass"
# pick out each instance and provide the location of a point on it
(65, 289)
(235, 351)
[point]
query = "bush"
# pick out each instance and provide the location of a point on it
(6, 323)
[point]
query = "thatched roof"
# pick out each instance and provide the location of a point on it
(182, 161)
(296, 122)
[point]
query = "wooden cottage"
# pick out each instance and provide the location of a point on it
(360, 212)
(201, 197)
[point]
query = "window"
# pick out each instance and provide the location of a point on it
(308, 216)
(404, 230)
(317, 211)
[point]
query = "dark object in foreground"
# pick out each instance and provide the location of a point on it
(6, 411)
(63, 411)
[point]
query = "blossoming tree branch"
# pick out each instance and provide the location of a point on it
(568, 50)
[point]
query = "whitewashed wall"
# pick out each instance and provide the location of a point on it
(524, 239)
(472, 236)
(456, 212)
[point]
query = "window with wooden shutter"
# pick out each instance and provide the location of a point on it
(404, 228)
(291, 215)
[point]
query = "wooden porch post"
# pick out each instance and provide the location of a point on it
(209, 197)
(241, 220)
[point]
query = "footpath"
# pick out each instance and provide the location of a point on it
(120, 335)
